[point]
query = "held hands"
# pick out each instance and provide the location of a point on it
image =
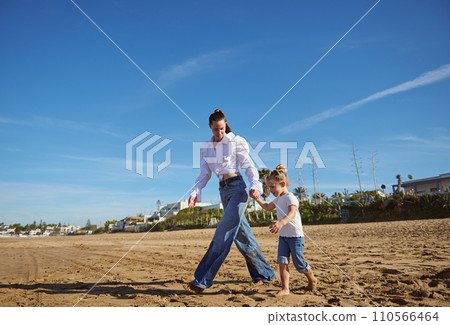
(192, 201)
(275, 227)
(254, 194)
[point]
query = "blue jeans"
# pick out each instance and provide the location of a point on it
(292, 246)
(233, 227)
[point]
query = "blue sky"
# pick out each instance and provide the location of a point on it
(70, 100)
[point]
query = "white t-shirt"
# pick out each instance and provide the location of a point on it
(294, 227)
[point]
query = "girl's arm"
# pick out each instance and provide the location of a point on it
(266, 206)
(277, 225)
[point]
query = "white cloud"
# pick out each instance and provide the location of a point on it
(14, 122)
(425, 79)
(434, 141)
(193, 65)
(57, 123)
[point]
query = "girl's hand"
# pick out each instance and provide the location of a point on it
(254, 194)
(192, 201)
(275, 227)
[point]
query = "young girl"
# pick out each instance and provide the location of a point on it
(289, 227)
(222, 155)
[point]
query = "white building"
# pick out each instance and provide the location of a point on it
(428, 185)
(69, 229)
(212, 206)
(173, 209)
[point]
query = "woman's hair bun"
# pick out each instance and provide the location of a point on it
(217, 111)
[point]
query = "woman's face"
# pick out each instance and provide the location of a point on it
(218, 130)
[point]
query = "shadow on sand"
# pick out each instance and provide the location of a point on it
(123, 290)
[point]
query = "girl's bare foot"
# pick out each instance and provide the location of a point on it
(312, 281)
(283, 292)
(312, 285)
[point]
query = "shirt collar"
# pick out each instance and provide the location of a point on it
(226, 138)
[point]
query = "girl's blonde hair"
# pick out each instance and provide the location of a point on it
(278, 175)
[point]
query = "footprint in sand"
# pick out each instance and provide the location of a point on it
(399, 301)
(258, 298)
(240, 298)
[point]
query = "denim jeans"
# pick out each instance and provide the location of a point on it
(233, 227)
(292, 246)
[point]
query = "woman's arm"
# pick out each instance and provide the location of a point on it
(246, 163)
(200, 182)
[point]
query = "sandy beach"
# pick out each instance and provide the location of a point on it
(403, 263)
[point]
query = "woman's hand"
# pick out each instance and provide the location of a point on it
(192, 201)
(254, 194)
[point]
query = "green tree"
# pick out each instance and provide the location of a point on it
(262, 176)
(18, 227)
(320, 196)
(399, 184)
(337, 195)
(300, 192)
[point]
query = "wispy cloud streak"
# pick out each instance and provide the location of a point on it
(57, 123)
(425, 79)
(193, 65)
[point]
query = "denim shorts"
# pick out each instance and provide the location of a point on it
(292, 246)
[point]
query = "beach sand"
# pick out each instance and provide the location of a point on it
(403, 263)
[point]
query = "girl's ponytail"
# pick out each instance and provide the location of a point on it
(278, 174)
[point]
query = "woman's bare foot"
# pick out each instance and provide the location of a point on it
(283, 292)
(194, 289)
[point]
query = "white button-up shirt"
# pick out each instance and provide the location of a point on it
(225, 157)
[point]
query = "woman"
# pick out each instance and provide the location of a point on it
(223, 154)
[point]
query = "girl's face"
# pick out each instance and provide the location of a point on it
(276, 188)
(218, 130)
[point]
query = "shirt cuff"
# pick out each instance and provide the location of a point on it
(257, 186)
(196, 192)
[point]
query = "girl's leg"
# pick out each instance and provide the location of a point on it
(283, 262)
(284, 275)
(296, 245)
(312, 281)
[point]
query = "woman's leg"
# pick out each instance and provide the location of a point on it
(246, 243)
(234, 199)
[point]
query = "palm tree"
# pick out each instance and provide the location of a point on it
(319, 196)
(300, 192)
(399, 184)
(336, 195)
(266, 191)
(346, 193)
(262, 175)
